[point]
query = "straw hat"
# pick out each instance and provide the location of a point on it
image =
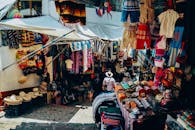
(35, 89)
(22, 79)
(109, 74)
(32, 95)
(27, 98)
(22, 94)
(36, 92)
(12, 100)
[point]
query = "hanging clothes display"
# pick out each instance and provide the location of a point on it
(143, 36)
(35, 64)
(30, 38)
(130, 8)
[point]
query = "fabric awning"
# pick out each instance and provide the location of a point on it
(105, 32)
(43, 24)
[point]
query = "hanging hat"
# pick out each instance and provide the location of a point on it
(109, 74)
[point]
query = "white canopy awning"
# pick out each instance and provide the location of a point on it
(105, 32)
(43, 24)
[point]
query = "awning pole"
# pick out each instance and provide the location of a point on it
(34, 52)
(56, 56)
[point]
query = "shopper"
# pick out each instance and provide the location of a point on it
(108, 82)
(96, 85)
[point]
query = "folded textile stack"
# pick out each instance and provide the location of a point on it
(187, 120)
(111, 118)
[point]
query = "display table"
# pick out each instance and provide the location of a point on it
(154, 122)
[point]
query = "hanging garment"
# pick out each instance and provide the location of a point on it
(76, 46)
(77, 62)
(154, 30)
(85, 57)
(11, 38)
(130, 8)
(74, 62)
(129, 38)
(146, 11)
(30, 38)
(143, 37)
(177, 39)
(161, 46)
(173, 55)
(90, 58)
(167, 20)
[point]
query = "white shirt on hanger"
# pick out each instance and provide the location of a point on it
(168, 20)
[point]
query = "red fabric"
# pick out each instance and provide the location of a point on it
(45, 38)
(143, 36)
(109, 121)
(160, 52)
(170, 4)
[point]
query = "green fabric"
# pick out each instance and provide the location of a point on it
(125, 85)
(109, 109)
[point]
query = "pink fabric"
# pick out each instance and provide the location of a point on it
(110, 121)
(77, 63)
(90, 58)
(159, 63)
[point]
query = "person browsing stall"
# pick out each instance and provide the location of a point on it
(108, 82)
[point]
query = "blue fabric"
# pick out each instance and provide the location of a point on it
(134, 16)
(177, 39)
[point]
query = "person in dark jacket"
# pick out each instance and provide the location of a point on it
(97, 85)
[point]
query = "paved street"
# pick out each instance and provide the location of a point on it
(52, 117)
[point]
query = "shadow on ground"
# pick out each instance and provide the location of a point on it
(56, 113)
(55, 126)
